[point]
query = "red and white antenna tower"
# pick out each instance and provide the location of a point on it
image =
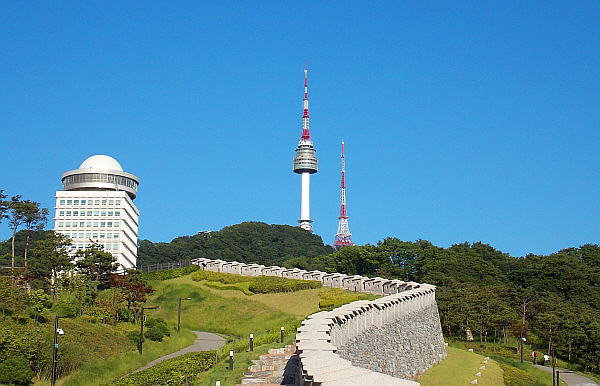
(343, 236)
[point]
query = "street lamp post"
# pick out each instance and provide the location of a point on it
(57, 331)
(142, 327)
(179, 313)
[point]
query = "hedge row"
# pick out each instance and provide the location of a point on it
(220, 277)
(258, 284)
(171, 372)
(271, 284)
(170, 274)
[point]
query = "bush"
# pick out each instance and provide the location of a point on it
(155, 333)
(134, 336)
(15, 370)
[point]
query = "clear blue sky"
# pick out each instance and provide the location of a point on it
(463, 121)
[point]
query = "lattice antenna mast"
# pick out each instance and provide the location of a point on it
(305, 162)
(343, 236)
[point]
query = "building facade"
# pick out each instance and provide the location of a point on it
(96, 204)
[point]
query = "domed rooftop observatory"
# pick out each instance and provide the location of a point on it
(100, 172)
(101, 162)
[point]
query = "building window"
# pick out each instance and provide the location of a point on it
(109, 235)
(116, 224)
(80, 246)
(82, 202)
(89, 213)
(103, 213)
(96, 202)
(96, 213)
(67, 224)
(103, 202)
(88, 224)
(81, 235)
(109, 224)
(61, 213)
(81, 224)
(88, 235)
(108, 247)
(117, 202)
(102, 224)
(68, 212)
(115, 247)
(69, 202)
(95, 224)
(75, 202)
(110, 213)
(74, 224)
(101, 235)
(62, 202)
(75, 213)
(94, 235)
(117, 212)
(115, 236)
(111, 202)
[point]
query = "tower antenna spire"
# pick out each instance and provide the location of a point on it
(305, 162)
(343, 236)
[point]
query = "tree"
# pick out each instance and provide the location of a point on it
(52, 257)
(96, 264)
(133, 289)
(15, 220)
(3, 205)
(34, 218)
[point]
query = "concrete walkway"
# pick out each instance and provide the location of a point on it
(570, 378)
(205, 341)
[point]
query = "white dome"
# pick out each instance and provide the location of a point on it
(101, 162)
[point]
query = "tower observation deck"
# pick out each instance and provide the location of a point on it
(305, 162)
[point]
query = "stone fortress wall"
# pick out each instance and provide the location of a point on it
(388, 341)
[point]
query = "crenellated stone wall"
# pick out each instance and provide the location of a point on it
(388, 341)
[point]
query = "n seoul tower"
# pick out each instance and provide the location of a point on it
(305, 162)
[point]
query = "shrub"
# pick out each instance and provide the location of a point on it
(155, 333)
(15, 370)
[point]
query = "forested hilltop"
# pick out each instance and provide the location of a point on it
(494, 295)
(248, 242)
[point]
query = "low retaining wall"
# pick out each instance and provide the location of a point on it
(388, 341)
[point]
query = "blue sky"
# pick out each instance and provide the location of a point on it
(463, 121)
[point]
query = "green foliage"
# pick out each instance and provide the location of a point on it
(170, 273)
(272, 284)
(249, 242)
(155, 333)
(171, 372)
(257, 284)
(157, 329)
(15, 370)
(516, 377)
(225, 278)
(336, 297)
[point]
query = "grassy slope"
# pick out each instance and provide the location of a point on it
(460, 368)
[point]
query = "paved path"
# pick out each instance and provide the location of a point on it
(205, 341)
(570, 378)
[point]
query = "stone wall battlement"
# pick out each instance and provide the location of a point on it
(387, 341)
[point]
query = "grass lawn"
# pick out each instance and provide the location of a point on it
(459, 369)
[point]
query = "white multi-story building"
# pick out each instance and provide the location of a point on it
(96, 204)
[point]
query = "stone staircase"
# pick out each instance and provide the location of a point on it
(278, 367)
